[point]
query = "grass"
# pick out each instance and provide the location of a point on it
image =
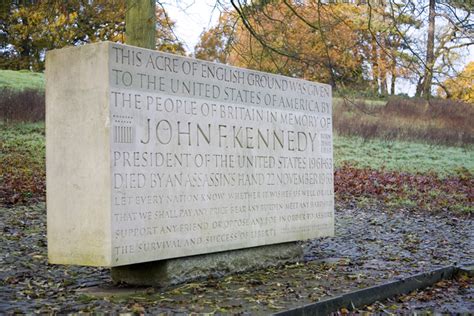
(22, 153)
(21, 80)
(402, 156)
(338, 101)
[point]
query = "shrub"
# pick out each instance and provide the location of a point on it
(437, 122)
(22, 105)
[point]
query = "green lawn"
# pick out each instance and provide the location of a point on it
(22, 145)
(402, 156)
(20, 80)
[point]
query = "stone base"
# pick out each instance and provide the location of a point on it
(174, 271)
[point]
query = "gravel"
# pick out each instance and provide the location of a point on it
(372, 246)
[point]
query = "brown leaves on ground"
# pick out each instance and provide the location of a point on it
(400, 189)
(370, 248)
(446, 296)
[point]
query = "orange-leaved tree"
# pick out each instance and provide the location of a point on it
(327, 43)
(460, 87)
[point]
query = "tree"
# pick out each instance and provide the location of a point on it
(274, 38)
(166, 40)
(445, 28)
(460, 87)
(216, 43)
(430, 58)
(140, 23)
(390, 34)
(29, 28)
(342, 44)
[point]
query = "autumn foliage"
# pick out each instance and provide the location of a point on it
(327, 43)
(302, 56)
(364, 47)
(460, 87)
(28, 29)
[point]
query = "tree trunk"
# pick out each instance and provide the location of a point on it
(448, 94)
(384, 62)
(383, 83)
(392, 83)
(375, 66)
(419, 86)
(140, 23)
(429, 51)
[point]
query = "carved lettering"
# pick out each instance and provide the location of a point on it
(208, 157)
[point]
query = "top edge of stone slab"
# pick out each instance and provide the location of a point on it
(109, 43)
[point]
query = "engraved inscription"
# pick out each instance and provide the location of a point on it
(207, 157)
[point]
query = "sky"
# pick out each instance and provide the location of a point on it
(191, 17)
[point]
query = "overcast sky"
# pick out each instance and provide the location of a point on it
(191, 17)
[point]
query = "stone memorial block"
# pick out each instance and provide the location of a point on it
(153, 156)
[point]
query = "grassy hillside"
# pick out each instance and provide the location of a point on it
(21, 80)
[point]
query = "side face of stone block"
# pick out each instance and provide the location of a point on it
(78, 155)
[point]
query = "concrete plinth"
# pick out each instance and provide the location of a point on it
(174, 271)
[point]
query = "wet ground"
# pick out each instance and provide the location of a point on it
(447, 296)
(372, 246)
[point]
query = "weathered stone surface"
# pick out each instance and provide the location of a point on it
(174, 271)
(78, 156)
(153, 156)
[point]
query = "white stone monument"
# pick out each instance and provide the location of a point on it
(153, 156)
